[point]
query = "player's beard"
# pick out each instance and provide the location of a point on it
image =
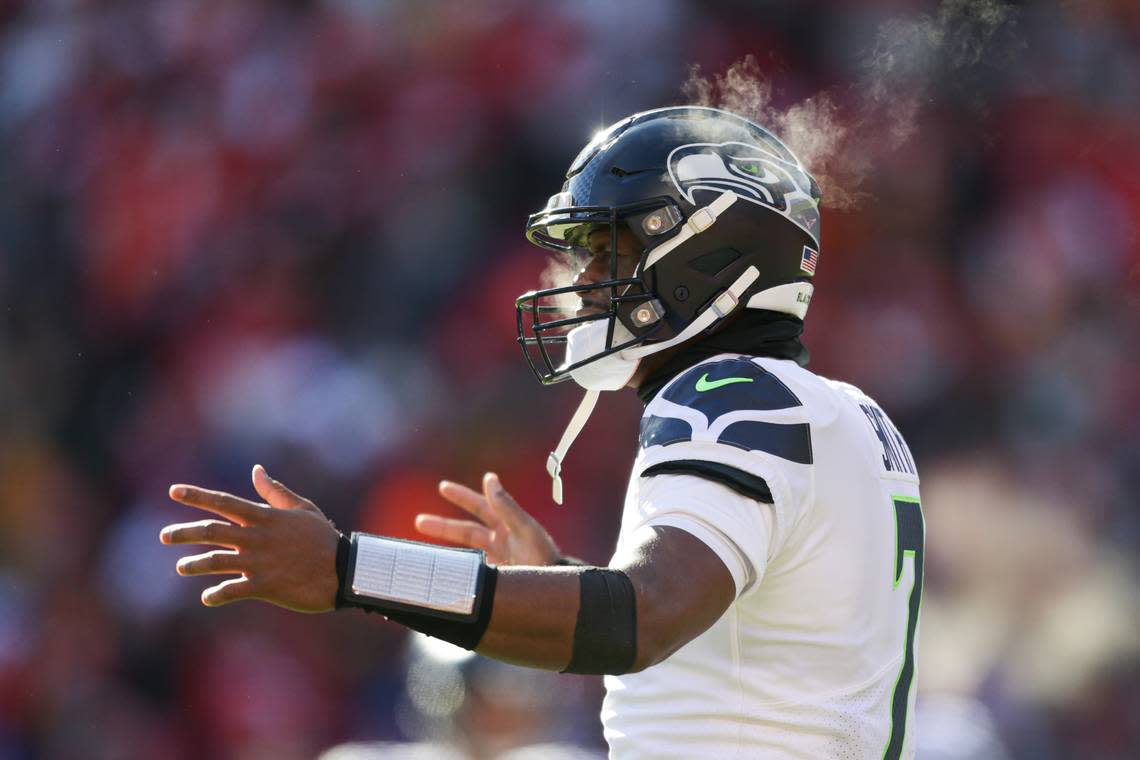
(607, 373)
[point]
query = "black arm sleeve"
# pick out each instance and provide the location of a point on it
(605, 635)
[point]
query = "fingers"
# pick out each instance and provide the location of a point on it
(215, 562)
(462, 532)
(275, 493)
(210, 563)
(229, 591)
(503, 503)
(202, 532)
(231, 507)
(469, 501)
(494, 507)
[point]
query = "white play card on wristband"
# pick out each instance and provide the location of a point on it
(413, 576)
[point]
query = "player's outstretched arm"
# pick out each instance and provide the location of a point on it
(501, 528)
(666, 588)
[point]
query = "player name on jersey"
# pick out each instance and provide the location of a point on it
(896, 455)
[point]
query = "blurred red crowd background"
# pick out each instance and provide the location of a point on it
(291, 233)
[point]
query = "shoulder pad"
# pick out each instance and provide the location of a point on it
(729, 385)
(691, 405)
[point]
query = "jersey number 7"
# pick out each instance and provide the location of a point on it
(909, 539)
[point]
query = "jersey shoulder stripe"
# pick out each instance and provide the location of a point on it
(744, 483)
(662, 431)
(787, 441)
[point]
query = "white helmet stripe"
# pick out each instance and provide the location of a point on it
(791, 298)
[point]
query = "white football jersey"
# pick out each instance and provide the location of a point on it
(815, 657)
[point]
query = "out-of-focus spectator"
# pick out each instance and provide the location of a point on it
(457, 704)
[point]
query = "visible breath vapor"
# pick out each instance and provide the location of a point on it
(908, 57)
(561, 271)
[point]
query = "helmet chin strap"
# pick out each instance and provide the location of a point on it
(724, 305)
(720, 308)
(573, 428)
(698, 222)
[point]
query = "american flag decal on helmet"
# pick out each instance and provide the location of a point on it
(809, 261)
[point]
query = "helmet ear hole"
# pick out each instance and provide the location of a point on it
(712, 263)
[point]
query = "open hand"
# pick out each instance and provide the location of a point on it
(501, 527)
(283, 551)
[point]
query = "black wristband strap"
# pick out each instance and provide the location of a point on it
(343, 548)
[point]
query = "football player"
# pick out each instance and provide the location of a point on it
(763, 599)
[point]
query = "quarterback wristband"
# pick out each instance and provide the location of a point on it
(441, 592)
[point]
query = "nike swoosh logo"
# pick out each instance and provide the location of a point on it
(704, 384)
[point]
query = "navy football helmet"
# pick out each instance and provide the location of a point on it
(725, 214)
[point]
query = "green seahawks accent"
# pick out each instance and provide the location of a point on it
(704, 384)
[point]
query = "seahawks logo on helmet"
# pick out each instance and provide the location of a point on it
(752, 173)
